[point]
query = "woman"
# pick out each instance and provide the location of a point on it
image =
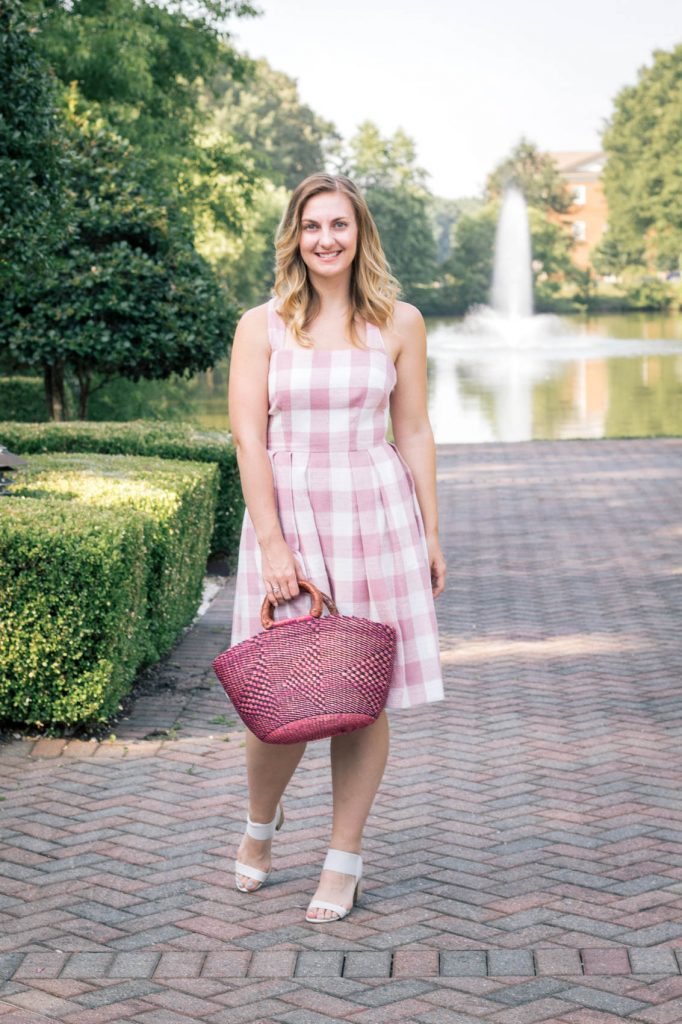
(329, 499)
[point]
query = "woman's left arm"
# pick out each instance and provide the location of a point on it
(412, 430)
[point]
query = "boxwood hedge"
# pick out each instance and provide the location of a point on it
(168, 506)
(146, 437)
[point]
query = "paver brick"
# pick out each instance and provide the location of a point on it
(179, 965)
(557, 961)
(313, 964)
(139, 964)
(87, 965)
(412, 963)
(367, 965)
(605, 961)
(48, 747)
(515, 962)
(532, 817)
(9, 964)
(653, 961)
(458, 963)
(230, 964)
(41, 966)
(519, 993)
(266, 963)
(597, 999)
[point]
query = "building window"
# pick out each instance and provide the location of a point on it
(579, 195)
(579, 232)
(595, 167)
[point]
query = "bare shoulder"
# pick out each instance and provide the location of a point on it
(252, 328)
(255, 318)
(406, 316)
(406, 328)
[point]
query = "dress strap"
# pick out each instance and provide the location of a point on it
(276, 326)
(373, 336)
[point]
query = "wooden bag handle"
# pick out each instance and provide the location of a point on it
(318, 599)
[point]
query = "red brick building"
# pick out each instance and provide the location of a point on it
(587, 218)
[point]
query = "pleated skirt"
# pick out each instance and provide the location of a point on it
(353, 521)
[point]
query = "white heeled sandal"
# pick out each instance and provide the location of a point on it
(258, 831)
(347, 864)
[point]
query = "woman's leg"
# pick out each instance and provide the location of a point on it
(269, 766)
(358, 762)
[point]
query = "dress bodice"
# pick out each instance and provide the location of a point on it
(327, 399)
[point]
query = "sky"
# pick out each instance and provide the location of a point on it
(465, 79)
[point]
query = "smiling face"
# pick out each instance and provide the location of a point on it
(329, 234)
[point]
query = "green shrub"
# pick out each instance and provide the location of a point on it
(146, 437)
(648, 292)
(23, 399)
(72, 609)
(175, 503)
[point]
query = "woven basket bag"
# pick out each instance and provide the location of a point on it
(309, 677)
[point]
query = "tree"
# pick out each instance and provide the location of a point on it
(643, 173)
(142, 66)
(552, 263)
(535, 174)
(394, 186)
(468, 271)
(444, 215)
(126, 293)
(262, 109)
(284, 141)
(388, 163)
(245, 261)
(403, 223)
(32, 198)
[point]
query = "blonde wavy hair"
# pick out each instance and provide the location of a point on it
(373, 289)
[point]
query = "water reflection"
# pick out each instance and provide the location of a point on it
(607, 377)
(610, 376)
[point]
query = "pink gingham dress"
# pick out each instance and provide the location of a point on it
(346, 502)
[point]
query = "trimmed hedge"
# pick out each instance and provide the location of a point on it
(169, 507)
(72, 608)
(146, 437)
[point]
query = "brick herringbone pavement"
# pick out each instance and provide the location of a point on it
(523, 858)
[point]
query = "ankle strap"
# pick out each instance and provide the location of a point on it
(346, 863)
(258, 830)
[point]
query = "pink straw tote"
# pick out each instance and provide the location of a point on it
(309, 677)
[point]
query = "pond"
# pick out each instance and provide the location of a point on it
(606, 376)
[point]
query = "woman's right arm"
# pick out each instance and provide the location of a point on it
(248, 405)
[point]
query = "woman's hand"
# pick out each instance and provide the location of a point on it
(280, 572)
(437, 566)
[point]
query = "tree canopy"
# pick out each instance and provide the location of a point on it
(31, 162)
(263, 110)
(119, 288)
(395, 188)
(142, 65)
(535, 174)
(125, 294)
(643, 173)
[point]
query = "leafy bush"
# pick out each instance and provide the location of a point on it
(23, 399)
(146, 437)
(167, 507)
(648, 292)
(176, 500)
(72, 604)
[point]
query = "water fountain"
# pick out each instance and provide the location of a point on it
(509, 319)
(488, 371)
(512, 286)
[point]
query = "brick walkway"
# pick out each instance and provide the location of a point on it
(523, 860)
